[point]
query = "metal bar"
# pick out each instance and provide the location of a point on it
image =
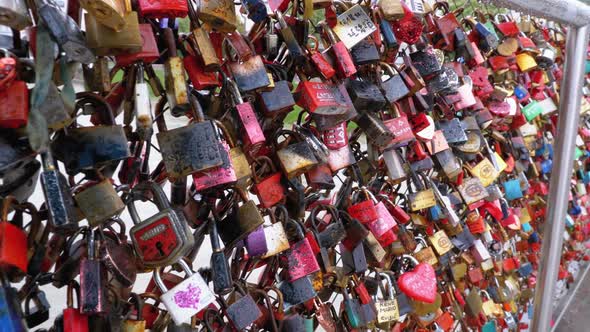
(569, 12)
(569, 108)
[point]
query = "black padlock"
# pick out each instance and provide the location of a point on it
(365, 52)
(36, 308)
(376, 132)
(365, 96)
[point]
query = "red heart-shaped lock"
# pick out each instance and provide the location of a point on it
(419, 284)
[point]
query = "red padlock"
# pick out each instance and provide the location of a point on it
(73, 320)
(163, 8)
(336, 137)
(15, 105)
(195, 70)
(268, 184)
(321, 98)
(13, 247)
(149, 49)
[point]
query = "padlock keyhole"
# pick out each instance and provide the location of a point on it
(159, 247)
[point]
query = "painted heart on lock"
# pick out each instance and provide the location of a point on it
(420, 283)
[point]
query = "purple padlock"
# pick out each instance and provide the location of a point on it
(256, 243)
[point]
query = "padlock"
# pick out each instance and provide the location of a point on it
(163, 238)
(222, 280)
(83, 148)
(14, 96)
(342, 59)
(13, 248)
(224, 175)
(73, 319)
(39, 313)
(243, 311)
(525, 62)
(248, 70)
(295, 158)
(420, 283)
(268, 188)
(275, 236)
(149, 49)
(321, 98)
(99, 202)
(117, 255)
(278, 100)
(296, 292)
(220, 14)
(110, 13)
(365, 52)
(252, 134)
(105, 41)
(352, 308)
(301, 260)
(186, 298)
(375, 130)
(365, 96)
(319, 61)
(240, 221)
(201, 136)
(331, 234)
(137, 324)
(176, 88)
(169, 9)
(92, 280)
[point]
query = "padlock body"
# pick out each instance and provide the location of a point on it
(13, 247)
(15, 105)
(187, 298)
(161, 239)
(189, 149)
(149, 49)
(161, 9)
(219, 176)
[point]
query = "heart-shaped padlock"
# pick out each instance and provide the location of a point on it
(420, 283)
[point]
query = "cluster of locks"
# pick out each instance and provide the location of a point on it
(384, 167)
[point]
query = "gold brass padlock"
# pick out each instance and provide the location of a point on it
(441, 242)
(110, 13)
(219, 14)
(105, 41)
(525, 62)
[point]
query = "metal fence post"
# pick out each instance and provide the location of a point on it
(569, 114)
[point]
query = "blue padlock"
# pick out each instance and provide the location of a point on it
(521, 93)
(512, 189)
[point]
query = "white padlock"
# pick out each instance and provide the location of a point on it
(187, 298)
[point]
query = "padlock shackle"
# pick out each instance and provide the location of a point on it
(226, 134)
(105, 111)
(330, 209)
(390, 289)
(137, 300)
(136, 193)
(157, 274)
(262, 161)
(170, 41)
(214, 236)
(72, 285)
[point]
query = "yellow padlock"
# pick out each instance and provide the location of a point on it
(525, 62)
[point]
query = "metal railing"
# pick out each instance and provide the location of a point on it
(576, 15)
